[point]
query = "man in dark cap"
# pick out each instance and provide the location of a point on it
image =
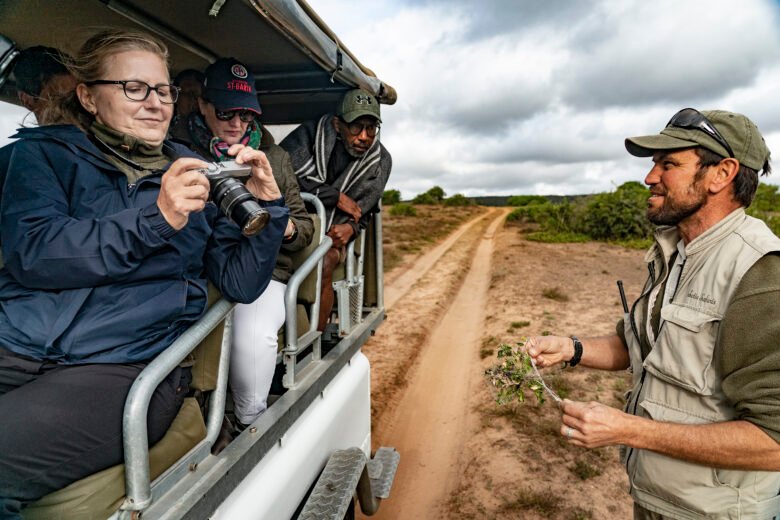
(340, 160)
(700, 430)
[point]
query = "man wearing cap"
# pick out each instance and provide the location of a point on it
(340, 160)
(228, 114)
(700, 430)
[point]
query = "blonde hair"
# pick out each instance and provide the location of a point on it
(90, 63)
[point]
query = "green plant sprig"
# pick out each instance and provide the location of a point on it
(515, 373)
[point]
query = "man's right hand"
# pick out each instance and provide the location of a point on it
(349, 206)
(340, 234)
(183, 190)
(549, 350)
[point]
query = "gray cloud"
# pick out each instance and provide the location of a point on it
(489, 18)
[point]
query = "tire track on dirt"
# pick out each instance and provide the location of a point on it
(429, 424)
(402, 283)
(395, 348)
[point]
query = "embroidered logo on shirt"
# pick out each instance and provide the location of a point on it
(703, 298)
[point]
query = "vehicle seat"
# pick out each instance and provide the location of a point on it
(100, 495)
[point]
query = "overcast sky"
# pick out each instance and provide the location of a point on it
(526, 96)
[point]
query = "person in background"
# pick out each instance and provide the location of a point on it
(41, 75)
(109, 241)
(190, 83)
(228, 113)
(340, 160)
(41, 78)
(700, 432)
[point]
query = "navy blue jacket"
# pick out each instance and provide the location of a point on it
(93, 272)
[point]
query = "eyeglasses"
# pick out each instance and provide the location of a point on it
(692, 118)
(139, 90)
(246, 116)
(357, 128)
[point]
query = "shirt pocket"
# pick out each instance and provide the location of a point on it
(683, 352)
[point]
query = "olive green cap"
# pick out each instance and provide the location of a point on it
(357, 103)
(740, 133)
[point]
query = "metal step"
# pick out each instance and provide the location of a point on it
(338, 483)
(336, 486)
(381, 471)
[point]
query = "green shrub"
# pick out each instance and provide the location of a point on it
(390, 197)
(618, 215)
(766, 206)
(434, 195)
(458, 200)
(403, 210)
(525, 200)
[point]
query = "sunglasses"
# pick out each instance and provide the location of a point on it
(693, 119)
(246, 116)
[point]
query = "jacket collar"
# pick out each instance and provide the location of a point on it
(79, 143)
(667, 237)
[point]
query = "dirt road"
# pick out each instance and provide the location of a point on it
(430, 423)
(462, 456)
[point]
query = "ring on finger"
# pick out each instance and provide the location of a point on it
(569, 432)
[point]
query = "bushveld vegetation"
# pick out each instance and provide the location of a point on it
(617, 216)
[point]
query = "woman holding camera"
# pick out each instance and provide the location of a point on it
(229, 114)
(108, 240)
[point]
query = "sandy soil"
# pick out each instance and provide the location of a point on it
(463, 456)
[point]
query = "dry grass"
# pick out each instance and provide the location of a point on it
(411, 234)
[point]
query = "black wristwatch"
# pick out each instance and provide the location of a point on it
(575, 359)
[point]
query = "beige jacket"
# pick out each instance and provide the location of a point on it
(678, 382)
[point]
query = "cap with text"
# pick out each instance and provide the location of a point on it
(229, 85)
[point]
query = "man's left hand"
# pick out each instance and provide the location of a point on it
(593, 425)
(262, 183)
(340, 234)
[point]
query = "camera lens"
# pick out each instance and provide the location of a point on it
(239, 205)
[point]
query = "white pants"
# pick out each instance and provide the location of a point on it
(253, 359)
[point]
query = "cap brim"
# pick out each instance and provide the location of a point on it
(225, 101)
(647, 145)
(354, 114)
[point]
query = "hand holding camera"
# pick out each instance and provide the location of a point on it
(233, 198)
(183, 190)
(262, 183)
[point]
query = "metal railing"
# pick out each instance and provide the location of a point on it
(138, 486)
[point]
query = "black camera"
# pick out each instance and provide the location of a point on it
(233, 198)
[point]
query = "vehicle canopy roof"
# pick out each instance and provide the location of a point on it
(301, 67)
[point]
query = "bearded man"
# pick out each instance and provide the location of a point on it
(700, 429)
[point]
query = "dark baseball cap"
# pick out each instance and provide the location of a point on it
(357, 103)
(741, 134)
(229, 85)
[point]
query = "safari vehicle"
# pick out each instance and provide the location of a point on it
(309, 455)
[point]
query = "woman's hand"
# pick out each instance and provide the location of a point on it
(549, 350)
(262, 183)
(183, 190)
